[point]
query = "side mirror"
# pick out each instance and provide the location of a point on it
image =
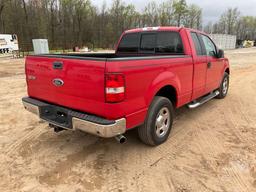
(220, 53)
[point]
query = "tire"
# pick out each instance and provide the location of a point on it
(158, 123)
(224, 87)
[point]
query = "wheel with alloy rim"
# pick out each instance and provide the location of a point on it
(162, 122)
(224, 87)
(158, 123)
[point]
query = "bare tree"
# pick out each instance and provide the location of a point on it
(180, 9)
(166, 13)
(67, 23)
(193, 17)
(228, 21)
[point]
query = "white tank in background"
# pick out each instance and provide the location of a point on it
(224, 41)
(40, 46)
(8, 43)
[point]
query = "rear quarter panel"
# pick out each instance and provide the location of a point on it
(144, 78)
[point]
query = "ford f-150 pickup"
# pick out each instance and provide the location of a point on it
(152, 72)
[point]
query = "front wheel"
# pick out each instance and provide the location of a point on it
(223, 89)
(158, 123)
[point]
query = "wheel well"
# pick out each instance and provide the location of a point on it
(170, 93)
(227, 71)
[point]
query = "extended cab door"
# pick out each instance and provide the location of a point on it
(200, 67)
(214, 64)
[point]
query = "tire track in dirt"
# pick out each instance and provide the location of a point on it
(237, 138)
(166, 152)
(36, 132)
(120, 175)
(217, 148)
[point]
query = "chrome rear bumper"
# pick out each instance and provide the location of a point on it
(106, 131)
(76, 120)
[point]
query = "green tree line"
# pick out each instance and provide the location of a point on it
(69, 23)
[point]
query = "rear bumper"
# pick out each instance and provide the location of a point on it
(73, 120)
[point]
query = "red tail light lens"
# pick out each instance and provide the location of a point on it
(115, 88)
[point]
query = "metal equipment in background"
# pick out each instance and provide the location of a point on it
(8, 43)
(224, 41)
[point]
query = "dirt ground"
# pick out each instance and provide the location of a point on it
(210, 149)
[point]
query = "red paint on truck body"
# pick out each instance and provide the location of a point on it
(84, 80)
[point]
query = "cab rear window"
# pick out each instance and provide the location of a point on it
(148, 42)
(129, 43)
(169, 42)
(152, 42)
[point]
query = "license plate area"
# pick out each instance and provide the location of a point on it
(56, 115)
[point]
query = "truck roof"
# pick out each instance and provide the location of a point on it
(153, 29)
(164, 28)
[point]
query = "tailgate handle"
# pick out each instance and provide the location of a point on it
(209, 65)
(57, 65)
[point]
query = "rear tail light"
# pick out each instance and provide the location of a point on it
(114, 88)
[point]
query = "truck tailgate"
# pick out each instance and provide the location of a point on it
(73, 83)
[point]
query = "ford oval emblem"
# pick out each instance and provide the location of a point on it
(58, 82)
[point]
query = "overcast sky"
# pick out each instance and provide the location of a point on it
(212, 9)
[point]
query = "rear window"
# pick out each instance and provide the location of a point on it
(129, 43)
(169, 42)
(148, 42)
(157, 42)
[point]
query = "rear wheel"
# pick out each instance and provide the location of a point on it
(158, 123)
(223, 89)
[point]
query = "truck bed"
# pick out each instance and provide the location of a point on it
(84, 80)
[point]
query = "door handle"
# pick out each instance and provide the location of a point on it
(209, 65)
(57, 65)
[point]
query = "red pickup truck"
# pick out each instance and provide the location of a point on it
(153, 72)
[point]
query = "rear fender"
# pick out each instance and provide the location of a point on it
(226, 66)
(166, 78)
